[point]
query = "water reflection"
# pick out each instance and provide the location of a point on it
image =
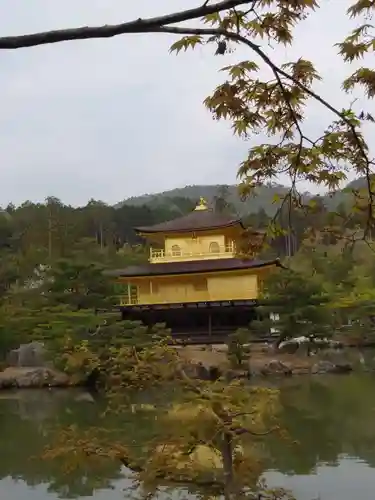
(328, 417)
(330, 421)
(27, 421)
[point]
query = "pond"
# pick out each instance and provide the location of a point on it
(330, 420)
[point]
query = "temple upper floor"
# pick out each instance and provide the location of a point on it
(194, 248)
(201, 235)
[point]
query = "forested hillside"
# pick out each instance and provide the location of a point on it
(263, 199)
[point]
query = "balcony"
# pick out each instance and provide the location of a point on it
(124, 300)
(220, 252)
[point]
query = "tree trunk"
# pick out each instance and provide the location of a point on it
(49, 234)
(227, 456)
(101, 236)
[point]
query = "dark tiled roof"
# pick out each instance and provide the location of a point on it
(197, 220)
(195, 266)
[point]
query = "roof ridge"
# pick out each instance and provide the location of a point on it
(196, 220)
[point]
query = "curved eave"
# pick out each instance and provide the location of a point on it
(192, 267)
(150, 230)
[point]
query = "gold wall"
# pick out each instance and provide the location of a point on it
(232, 285)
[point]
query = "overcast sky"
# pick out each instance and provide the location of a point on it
(116, 118)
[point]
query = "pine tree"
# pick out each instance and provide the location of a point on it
(294, 305)
(78, 284)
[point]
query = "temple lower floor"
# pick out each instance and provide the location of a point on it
(196, 319)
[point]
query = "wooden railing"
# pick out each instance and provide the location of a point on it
(125, 300)
(225, 251)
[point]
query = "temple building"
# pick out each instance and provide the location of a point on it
(195, 280)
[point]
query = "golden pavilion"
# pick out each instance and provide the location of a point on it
(195, 280)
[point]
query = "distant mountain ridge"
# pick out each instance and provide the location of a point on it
(264, 197)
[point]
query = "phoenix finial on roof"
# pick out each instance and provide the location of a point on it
(202, 205)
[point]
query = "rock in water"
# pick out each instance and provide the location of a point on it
(29, 377)
(28, 355)
(328, 367)
(343, 368)
(275, 367)
(323, 367)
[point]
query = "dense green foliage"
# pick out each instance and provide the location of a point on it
(324, 290)
(53, 256)
(295, 305)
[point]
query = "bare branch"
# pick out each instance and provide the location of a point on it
(241, 414)
(242, 430)
(109, 31)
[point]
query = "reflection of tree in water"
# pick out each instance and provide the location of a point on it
(30, 421)
(26, 422)
(29, 428)
(327, 417)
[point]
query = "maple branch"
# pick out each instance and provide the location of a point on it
(111, 30)
(278, 71)
(161, 24)
(256, 48)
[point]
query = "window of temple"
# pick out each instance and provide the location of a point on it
(214, 247)
(176, 250)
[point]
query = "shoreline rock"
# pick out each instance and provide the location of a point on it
(31, 367)
(33, 377)
(275, 367)
(270, 369)
(45, 377)
(322, 367)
